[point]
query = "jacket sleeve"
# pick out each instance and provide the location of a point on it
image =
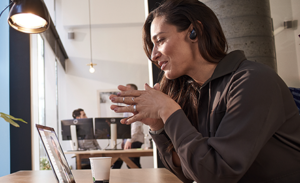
(252, 116)
(162, 142)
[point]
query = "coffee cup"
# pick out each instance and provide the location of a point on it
(100, 167)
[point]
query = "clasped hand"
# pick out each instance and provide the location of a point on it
(152, 107)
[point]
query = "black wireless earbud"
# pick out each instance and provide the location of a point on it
(193, 34)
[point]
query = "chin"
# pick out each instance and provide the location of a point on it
(170, 76)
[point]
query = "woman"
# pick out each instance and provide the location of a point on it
(215, 117)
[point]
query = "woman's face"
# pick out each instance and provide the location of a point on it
(172, 50)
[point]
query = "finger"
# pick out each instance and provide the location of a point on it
(123, 121)
(134, 118)
(130, 93)
(112, 96)
(157, 86)
(147, 87)
(123, 88)
(124, 100)
(121, 109)
(112, 107)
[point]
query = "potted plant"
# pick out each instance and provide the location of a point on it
(11, 119)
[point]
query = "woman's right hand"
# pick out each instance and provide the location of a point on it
(148, 103)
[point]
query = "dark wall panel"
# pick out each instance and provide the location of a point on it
(152, 4)
(20, 138)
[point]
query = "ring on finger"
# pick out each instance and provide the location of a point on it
(123, 99)
(132, 99)
(134, 108)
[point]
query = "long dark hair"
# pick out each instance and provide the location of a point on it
(212, 46)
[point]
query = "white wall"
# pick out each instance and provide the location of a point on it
(117, 49)
(287, 42)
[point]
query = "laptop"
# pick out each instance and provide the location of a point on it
(55, 155)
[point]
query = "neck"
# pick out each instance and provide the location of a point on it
(202, 71)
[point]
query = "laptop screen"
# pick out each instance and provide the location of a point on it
(55, 154)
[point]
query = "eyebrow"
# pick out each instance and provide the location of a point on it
(154, 37)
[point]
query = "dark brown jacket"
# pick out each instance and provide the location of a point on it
(251, 132)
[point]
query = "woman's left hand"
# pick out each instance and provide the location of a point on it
(148, 103)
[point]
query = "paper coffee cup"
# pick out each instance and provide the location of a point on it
(100, 169)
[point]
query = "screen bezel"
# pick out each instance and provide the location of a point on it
(41, 127)
(119, 126)
(77, 123)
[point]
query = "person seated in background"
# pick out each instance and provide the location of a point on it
(137, 137)
(87, 144)
(79, 114)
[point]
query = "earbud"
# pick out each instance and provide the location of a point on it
(193, 34)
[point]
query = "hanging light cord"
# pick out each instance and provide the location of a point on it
(90, 32)
(6, 7)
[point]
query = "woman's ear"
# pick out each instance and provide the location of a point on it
(193, 35)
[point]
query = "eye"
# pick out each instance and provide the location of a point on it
(159, 41)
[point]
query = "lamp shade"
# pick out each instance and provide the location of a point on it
(29, 16)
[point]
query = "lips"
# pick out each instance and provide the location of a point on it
(162, 64)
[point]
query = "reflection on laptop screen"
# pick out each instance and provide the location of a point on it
(55, 154)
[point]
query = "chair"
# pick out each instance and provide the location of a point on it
(296, 94)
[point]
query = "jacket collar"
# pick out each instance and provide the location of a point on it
(228, 64)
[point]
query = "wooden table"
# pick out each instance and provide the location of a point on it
(115, 154)
(151, 175)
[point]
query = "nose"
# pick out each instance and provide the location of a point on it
(155, 54)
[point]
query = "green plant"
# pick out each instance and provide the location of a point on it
(44, 164)
(11, 119)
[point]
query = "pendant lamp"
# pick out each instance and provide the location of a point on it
(92, 69)
(29, 16)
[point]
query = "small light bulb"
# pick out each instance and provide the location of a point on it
(92, 69)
